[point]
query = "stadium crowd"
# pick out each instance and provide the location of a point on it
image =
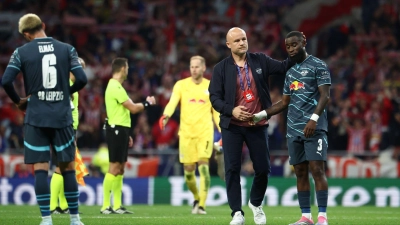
(159, 37)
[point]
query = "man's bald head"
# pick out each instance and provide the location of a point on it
(233, 31)
(236, 40)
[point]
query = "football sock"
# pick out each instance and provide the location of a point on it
(305, 203)
(61, 198)
(107, 185)
(322, 200)
(42, 191)
(56, 185)
(117, 191)
(71, 191)
(190, 180)
(204, 184)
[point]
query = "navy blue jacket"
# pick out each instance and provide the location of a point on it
(223, 82)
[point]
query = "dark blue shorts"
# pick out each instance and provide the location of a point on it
(39, 141)
(303, 149)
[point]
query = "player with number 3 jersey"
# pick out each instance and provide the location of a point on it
(306, 94)
(45, 64)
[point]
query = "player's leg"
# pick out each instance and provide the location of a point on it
(56, 184)
(58, 202)
(298, 159)
(37, 152)
(204, 150)
(113, 170)
(119, 160)
(256, 139)
(232, 144)
(63, 143)
(316, 150)
(188, 157)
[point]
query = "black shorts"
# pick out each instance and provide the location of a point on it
(303, 149)
(38, 140)
(54, 160)
(117, 138)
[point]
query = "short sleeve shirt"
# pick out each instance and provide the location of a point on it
(116, 95)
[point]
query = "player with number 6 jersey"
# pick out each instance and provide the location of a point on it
(45, 64)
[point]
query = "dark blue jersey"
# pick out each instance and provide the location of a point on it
(301, 83)
(45, 64)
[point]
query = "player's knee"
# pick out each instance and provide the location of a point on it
(203, 161)
(318, 173)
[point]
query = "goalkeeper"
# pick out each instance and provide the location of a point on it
(58, 202)
(196, 129)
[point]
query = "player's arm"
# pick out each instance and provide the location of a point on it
(171, 106)
(7, 81)
(12, 70)
(273, 110)
(323, 78)
(322, 102)
(277, 107)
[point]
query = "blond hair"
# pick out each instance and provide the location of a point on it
(202, 60)
(29, 23)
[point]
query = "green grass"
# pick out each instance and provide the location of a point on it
(171, 215)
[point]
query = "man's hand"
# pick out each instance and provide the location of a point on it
(239, 112)
(310, 128)
(23, 103)
(130, 142)
(151, 100)
(163, 121)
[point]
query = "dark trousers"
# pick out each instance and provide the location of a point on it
(256, 139)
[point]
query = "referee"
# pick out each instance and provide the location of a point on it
(118, 107)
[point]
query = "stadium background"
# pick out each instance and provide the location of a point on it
(358, 39)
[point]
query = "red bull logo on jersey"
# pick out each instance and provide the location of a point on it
(200, 101)
(295, 85)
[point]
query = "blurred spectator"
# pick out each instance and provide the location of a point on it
(357, 137)
(394, 128)
(100, 162)
(167, 138)
(142, 138)
(23, 171)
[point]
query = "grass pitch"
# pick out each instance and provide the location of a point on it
(173, 215)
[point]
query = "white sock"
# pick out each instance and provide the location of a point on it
(307, 215)
(46, 217)
(74, 216)
(322, 214)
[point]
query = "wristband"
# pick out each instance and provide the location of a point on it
(146, 104)
(263, 114)
(314, 117)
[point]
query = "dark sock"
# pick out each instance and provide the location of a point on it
(322, 200)
(304, 201)
(42, 191)
(71, 191)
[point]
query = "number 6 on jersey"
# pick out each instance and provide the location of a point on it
(49, 71)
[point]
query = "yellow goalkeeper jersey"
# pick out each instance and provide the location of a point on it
(196, 115)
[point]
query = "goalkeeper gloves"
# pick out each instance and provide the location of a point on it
(163, 121)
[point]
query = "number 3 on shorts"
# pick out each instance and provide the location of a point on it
(319, 145)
